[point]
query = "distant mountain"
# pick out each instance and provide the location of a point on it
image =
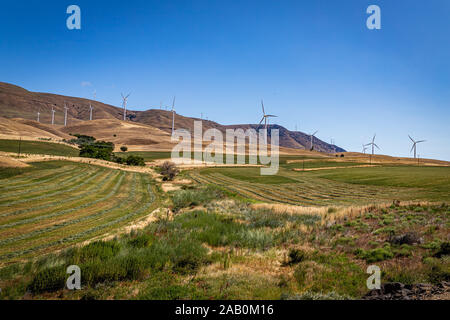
(16, 102)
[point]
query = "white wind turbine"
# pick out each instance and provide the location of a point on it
(173, 115)
(364, 148)
(38, 114)
(65, 114)
(414, 146)
(53, 116)
(373, 144)
(313, 135)
(265, 118)
(90, 105)
(124, 104)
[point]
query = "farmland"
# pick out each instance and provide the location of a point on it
(231, 234)
(350, 186)
(55, 205)
(38, 147)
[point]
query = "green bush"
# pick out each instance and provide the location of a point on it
(49, 279)
(373, 255)
(99, 250)
(133, 160)
(188, 198)
(141, 241)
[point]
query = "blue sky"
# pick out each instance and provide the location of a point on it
(314, 63)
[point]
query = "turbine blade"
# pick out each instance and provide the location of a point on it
(376, 146)
(421, 141)
(261, 120)
(271, 115)
(411, 138)
(315, 133)
(412, 148)
(262, 105)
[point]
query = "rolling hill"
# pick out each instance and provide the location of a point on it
(150, 127)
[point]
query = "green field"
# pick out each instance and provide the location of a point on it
(332, 187)
(38, 147)
(54, 205)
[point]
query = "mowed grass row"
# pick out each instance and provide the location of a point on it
(332, 187)
(294, 194)
(95, 201)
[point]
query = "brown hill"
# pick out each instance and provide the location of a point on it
(16, 102)
(136, 136)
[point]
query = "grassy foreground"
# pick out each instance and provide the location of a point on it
(232, 250)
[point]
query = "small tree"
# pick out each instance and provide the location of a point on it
(123, 148)
(168, 170)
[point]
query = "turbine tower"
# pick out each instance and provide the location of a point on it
(65, 114)
(124, 104)
(38, 114)
(90, 111)
(265, 118)
(364, 148)
(414, 146)
(173, 115)
(312, 139)
(53, 116)
(373, 144)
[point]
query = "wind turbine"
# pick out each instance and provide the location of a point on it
(364, 148)
(313, 136)
(65, 114)
(373, 144)
(414, 146)
(124, 104)
(265, 118)
(53, 116)
(38, 114)
(173, 114)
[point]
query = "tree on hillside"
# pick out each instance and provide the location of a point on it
(97, 150)
(124, 148)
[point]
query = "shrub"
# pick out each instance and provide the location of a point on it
(97, 150)
(99, 250)
(133, 160)
(296, 256)
(373, 255)
(123, 148)
(187, 198)
(141, 241)
(168, 170)
(443, 250)
(49, 279)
